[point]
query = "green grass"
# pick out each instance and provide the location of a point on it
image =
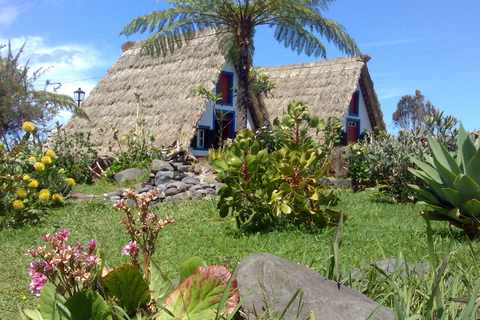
(375, 229)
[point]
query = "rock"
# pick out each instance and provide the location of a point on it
(325, 182)
(159, 165)
(211, 178)
(341, 183)
(132, 174)
(191, 180)
(181, 196)
(171, 192)
(163, 177)
(281, 279)
(184, 168)
(182, 156)
(420, 269)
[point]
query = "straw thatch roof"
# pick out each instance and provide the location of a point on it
(165, 85)
(325, 86)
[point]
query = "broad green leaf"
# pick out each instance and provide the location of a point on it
(234, 162)
(253, 166)
(188, 267)
(243, 144)
(126, 283)
(453, 197)
(443, 156)
(160, 285)
(33, 314)
(285, 187)
(425, 194)
(466, 148)
(473, 167)
(468, 188)
(255, 148)
(287, 170)
(250, 158)
(471, 207)
(448, 177)
(219, 165)
(429, 170)
(198, 296)
(52, 305)
(285, 208)
(262, 156)
(223, 209)
(87, 305)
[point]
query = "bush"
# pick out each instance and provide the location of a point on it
(265, 187)
(384, 159)
(31, 181)
(75, 153)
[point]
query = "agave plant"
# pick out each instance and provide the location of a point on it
(452, 191)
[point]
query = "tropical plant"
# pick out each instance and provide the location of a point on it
(20, 102)
(235, 23)
(264, 188)
(452, 183)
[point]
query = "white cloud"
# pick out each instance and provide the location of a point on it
(8, 13)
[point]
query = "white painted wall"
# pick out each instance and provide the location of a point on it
(207, 119)
(362, 114)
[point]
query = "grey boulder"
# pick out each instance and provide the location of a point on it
(280, 280)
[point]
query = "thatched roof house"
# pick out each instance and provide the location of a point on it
(178, 117)
(327, 88)
(165, 85)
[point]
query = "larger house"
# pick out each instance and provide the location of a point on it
(160, 90)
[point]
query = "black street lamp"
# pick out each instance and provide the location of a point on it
(79, 95)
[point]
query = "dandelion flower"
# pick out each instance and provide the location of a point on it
(71, 182)
(47, 160)
(44, 195)
(21, 194)
(57, 197)
(18, 205)
(39, 166)
(32, 159)
(26, 177)
(33, 184)
(51, 154)
(28, 126)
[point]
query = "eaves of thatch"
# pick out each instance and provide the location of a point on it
(165, 85)
(325, 86)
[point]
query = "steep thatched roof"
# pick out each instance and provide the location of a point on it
(325, 86)
(165, 85)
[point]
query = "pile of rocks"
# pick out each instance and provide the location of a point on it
(175, 180)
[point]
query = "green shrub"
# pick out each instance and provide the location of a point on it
(31, 181)
(384, 159)
(265, 187)
(75, 152)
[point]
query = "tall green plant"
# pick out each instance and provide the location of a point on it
(452, 183)
(265, 188)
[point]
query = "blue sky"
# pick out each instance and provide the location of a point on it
(429, 45)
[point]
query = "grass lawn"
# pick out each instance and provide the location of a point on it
(374, 230)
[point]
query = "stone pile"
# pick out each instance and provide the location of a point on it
(175, 180)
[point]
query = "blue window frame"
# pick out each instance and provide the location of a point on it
(354, 106)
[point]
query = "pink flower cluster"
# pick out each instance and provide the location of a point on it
(67, 267)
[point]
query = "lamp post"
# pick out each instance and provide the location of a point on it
(79, 95)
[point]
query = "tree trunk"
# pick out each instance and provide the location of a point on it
(242, 67)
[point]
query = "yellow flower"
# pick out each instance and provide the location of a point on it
(21, 194)
(24, 297)
(39, 166)
(18, 205)
(32, 159)
(47, 160)
(51, 154)
(26, 177)
(71, 182)
(57, 197)
(28, 126)
(33, 183)
(44, 195)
